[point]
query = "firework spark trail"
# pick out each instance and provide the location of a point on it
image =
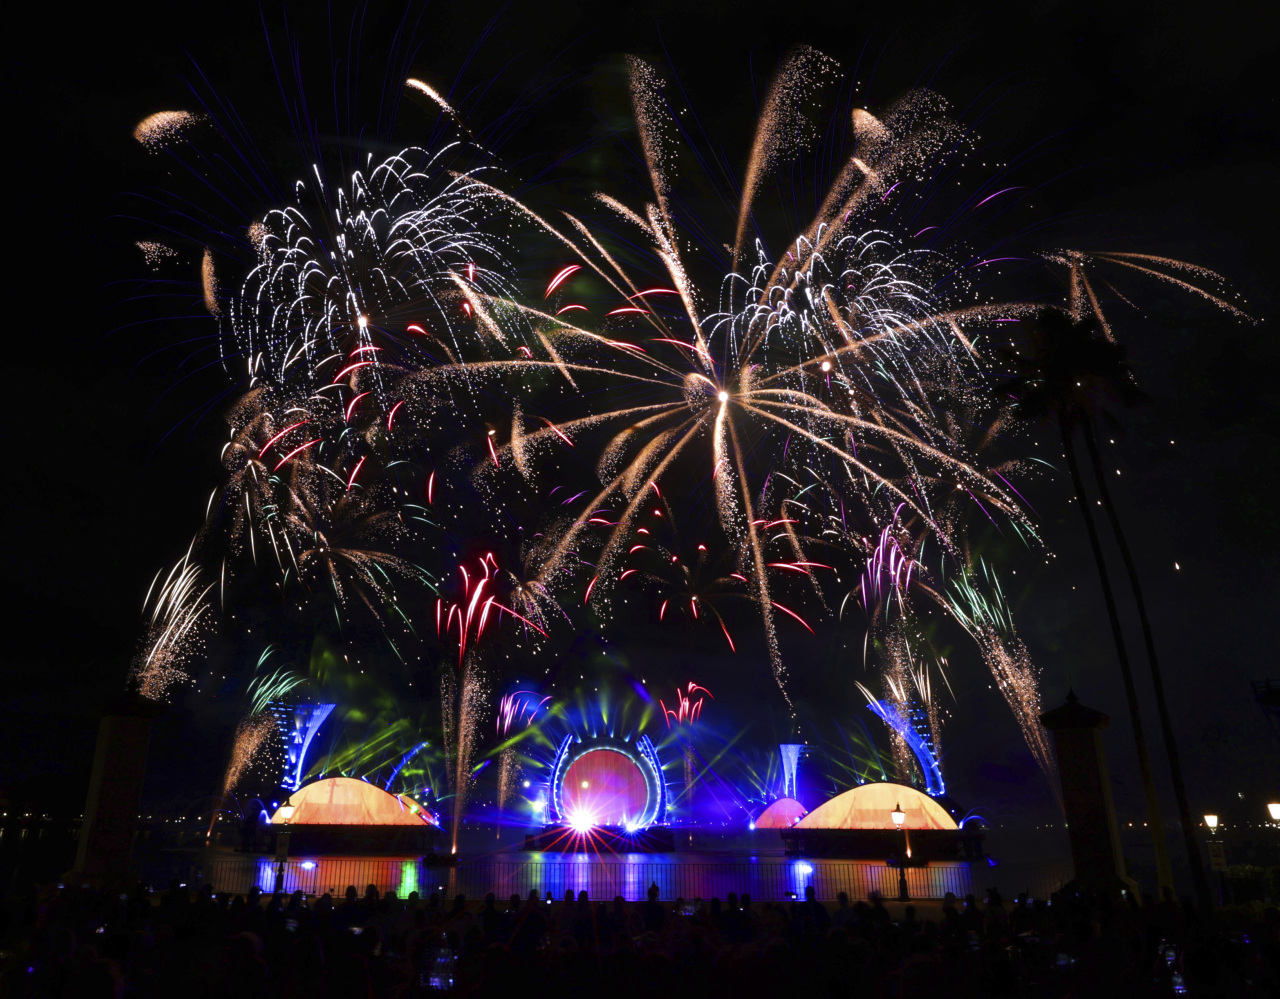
(164, 127)
(465, 689)
(908, 685)
(322, 530)
(885, 152)
(272, 687)
(923, 682)
(433, 94)
(155, 254)
(690, 586)
(209, 283)
(470, 689)
(986, 616)
(173, 634)
(1083, 296)
(252, 733)
(687, 710)
(888, 573)
(781, 127)
(478, 603)
(519, 708)
(897, 677)
(509, 771)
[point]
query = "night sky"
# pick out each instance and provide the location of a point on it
(1137, 126)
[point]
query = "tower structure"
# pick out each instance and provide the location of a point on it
(790, 753)
(1092, 829)
(298, 724)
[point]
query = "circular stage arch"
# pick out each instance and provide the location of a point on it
(608, 782)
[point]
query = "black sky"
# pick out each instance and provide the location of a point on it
(1147, 126)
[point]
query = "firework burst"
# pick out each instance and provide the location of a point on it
(393, 264)
(174, 630)
(813, 407)
(838, 353)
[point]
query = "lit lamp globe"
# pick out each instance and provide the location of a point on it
(1211, 821)
(1274, 810)
(899, 817)
(286, 812)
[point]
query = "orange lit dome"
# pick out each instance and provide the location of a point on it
(781, 814)
(345, 801)
(870, 807)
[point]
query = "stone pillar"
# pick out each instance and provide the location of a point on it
(115, 790)
(1086, 796)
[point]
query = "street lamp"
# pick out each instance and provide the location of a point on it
(1217, 858)
(282, 845)
(1274, 810)
(899, 818)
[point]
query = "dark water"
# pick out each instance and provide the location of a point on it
(35, 852)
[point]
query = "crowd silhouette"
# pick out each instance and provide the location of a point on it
(67, 941)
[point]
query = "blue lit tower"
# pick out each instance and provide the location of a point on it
(790, 752)
(918, 737)
(918, 718)
(298, 724)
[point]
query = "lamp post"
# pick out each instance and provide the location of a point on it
(899, 818)
(1217, 858)
(282, 845)
(1273, 810)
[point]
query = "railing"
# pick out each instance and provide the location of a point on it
(766, 880)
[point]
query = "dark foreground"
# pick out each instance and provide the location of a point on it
(86, 943)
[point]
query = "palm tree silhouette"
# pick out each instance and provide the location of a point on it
(1089, 432)
(1065, 375)
(1085, 308)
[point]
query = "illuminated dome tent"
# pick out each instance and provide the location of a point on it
(870, 806)
(345, 801)
(859, 823)
(345, 815)
(781, 814)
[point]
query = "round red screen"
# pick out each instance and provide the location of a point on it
(614, 792)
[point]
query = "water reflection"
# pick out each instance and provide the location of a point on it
(676, 875)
